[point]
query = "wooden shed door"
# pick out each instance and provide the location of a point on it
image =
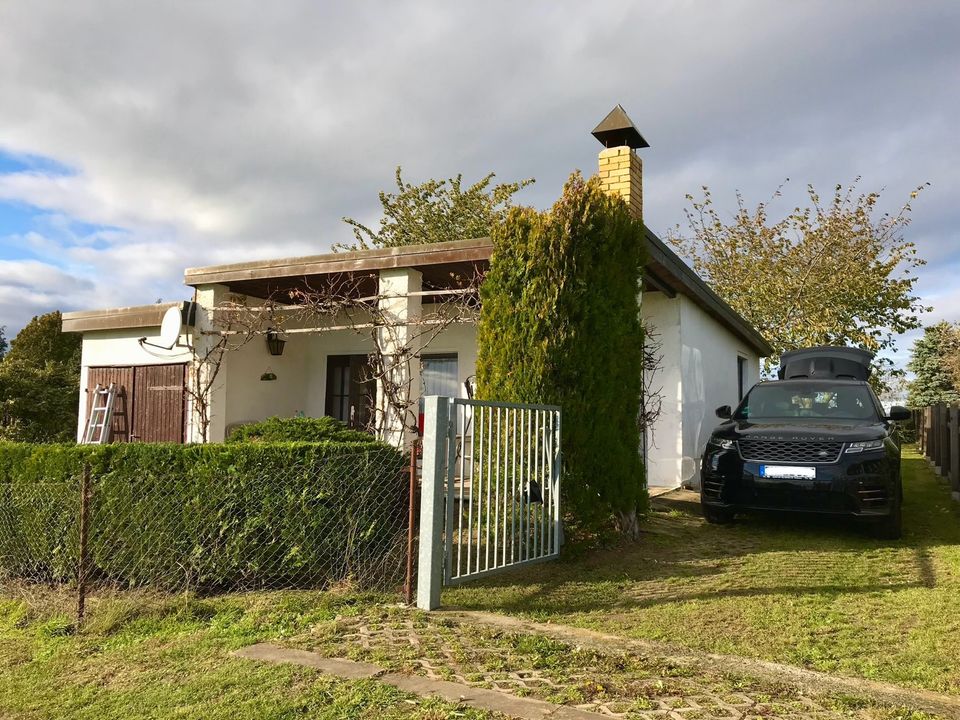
(122, 416)
(158, 402)
(150, 406)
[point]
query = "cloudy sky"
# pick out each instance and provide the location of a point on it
(137, 139)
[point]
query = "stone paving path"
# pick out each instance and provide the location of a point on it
(459, 693)
(613, 685)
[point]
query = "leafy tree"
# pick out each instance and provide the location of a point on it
(826, 274)
(560, 323)
(39, 383)
(41, 342)
(3, 342)
(933, 362)
(436, 211)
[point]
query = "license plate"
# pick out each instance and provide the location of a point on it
(788, 472)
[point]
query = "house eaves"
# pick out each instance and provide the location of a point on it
(665, 272)
(666, 268)
(122, 318)
(443, 253)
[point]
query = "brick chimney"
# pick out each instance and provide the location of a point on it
(621, 170)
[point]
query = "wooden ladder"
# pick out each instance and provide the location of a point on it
(101, 415)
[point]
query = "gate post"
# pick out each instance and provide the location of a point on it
(430, 565)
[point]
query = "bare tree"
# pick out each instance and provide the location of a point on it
(234, 324)
(343, 302)
(652, 402)
(398, 342)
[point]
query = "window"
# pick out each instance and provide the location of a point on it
(351, 392)
(741, 377)
(440, 375)
(809, 399)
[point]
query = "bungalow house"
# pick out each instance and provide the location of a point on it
(711, 355)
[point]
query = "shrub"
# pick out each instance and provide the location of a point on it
(207, 517)
(560, 323)
(277, 429)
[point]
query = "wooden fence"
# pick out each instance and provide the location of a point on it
(938, 438)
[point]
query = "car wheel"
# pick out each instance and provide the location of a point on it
(891, 527)
(717, 516)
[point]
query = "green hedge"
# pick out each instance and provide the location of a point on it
(277, 429)
(208, 517)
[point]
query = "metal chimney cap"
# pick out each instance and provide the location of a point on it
(617, 129)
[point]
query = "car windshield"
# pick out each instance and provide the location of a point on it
(775, 401)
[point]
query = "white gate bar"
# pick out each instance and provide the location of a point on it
(450, 464)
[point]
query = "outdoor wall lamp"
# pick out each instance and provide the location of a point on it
(275, 342)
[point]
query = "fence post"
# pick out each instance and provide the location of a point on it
(430, 566)
(83, 564)
(411, 519)
(934, 434)
(935, 438)
(944, 442)
(945, 447)
(955, 451)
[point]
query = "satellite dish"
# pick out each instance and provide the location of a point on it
(171, 327)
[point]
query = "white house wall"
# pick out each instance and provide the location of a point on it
(664, 442)
(120, 348)
(301, 371)
(708, 360)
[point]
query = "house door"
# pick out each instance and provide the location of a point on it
(351, 391)
(150, 404)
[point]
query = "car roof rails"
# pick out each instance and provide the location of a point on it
(826, 363)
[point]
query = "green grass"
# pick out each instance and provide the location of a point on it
(818, 593)
(161, 658)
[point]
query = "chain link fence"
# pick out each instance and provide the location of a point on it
(207, 519)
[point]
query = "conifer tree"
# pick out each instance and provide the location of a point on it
(560, 324)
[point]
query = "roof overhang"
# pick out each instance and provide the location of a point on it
(665, 268)
(439, 263)
(443, 264)
(138, 316)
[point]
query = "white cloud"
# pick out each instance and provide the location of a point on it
(222, 131)
(29, 288)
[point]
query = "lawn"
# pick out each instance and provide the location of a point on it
(817, 594)
(142, 657)
(814, 593)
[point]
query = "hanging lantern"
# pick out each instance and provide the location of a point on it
(275, 342)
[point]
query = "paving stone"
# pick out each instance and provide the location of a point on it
(454, 657)
(492, 700)
(340, 667)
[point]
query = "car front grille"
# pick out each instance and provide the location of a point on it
(790, 451)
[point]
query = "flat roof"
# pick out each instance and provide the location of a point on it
(442, 253)
(136, 316)
(439, 262)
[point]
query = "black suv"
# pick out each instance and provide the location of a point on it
(815, 440)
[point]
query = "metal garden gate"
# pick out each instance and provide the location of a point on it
(490, 497)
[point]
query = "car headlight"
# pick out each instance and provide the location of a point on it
(864, 445)
(722, 443)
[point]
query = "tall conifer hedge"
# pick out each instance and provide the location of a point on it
(560, 323)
